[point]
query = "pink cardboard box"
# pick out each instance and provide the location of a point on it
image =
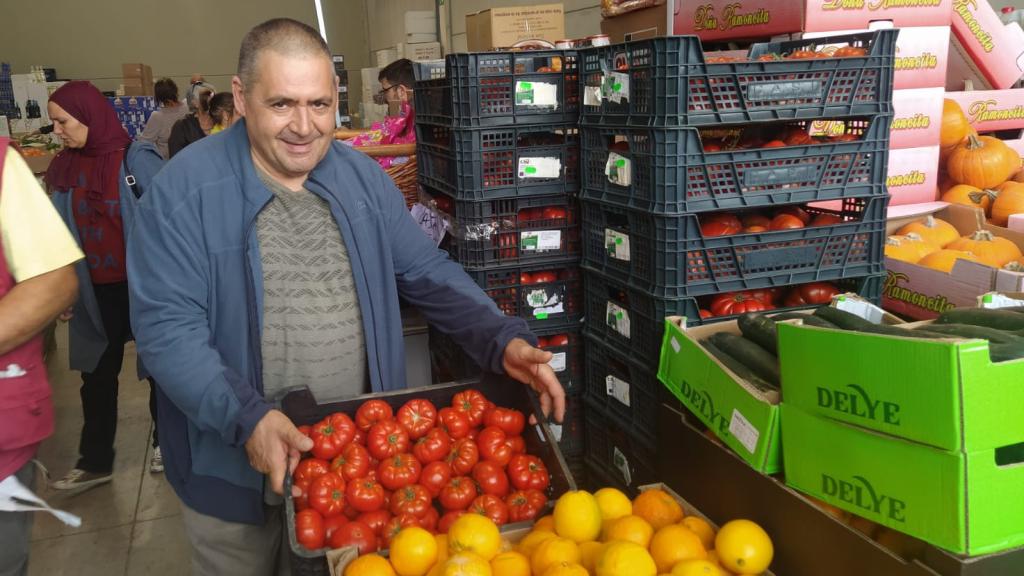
(921, 54)
(984, 49)
(989, 110)
(917, 118)
(913, 175)
(708, 19)
(824, 15)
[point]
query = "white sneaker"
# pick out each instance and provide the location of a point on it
(156, 463)
(79, 479)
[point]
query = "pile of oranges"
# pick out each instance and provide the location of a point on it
(599, 534)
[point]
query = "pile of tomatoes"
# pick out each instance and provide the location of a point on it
(780, 137)
(847, 51)
(784, 218)
(366, 478)
(734, 303)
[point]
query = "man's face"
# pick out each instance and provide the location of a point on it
(289, 113)
(393, 93)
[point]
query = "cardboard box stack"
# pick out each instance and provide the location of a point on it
(496, 28)
(344, 117)
(137, 79)
(498, 158)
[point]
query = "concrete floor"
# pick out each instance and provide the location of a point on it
(130, 526)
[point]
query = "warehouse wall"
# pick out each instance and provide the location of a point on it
(582, 17)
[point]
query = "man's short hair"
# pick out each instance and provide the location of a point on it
(282, 35)
(399, 72)
(165, 90)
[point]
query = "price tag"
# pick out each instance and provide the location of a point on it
(616, 87)
(865, 310)
(675, 344)
(592, 95)
(540, 240)
(536, 94)
(556, 431)
(557, 362)
(618, 319)
(618, 389)
(618, 169)
(619, 461)
(546, 167)
(744, 431)
(544, 304)
(997, 300)
(617, 244)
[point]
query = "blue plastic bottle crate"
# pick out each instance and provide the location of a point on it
(669, 171)
(671, 82)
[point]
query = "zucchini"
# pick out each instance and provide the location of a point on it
(971, 331)
(757, 359)
(842, 319)
(808, 319)
(737, 367)
(1002, 352)
(760, 329)
(990, 318)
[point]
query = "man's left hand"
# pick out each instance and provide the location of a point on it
(529, 365)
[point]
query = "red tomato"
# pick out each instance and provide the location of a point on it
(387, 439)
(825, 220)
(463, 456)
(704, 314)
(305, 429)
(472, 403)
(813, 293)
(357, 534)
(525, 278)
(413, 499)
(785, 222)
(375, 520)
(309, 529)
(473, 434)
(359, 438)
(766, 295)
(712, 146)
(331, 434)
(418, 417)
(399, 471)
(795, 211)
(432, 447)
(332, 524)
(490, 478)
(524, 505)
(327, 494)
(428, 521)
(554, 213)
(732, 303)
(720, 225)
(545, 277)
(434, 476)
(395, 525)
(365, 495)
(455, 423)
(353, 462)
(372, 412)
(512, 421)
(457, 494)
(530, 214)
(302, 500)
(447, 520)
(756, 219)
(774, 144)
(490, 506)
(493, 446)
(528, 472)
(542, 342)
(309, 469)
(558, 340)
(518, 444)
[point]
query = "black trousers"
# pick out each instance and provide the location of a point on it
(100, 387)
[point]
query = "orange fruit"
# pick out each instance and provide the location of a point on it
(744, 547)
(413, 551)
(466, 564)
(442, 547)
(658, 508)
(474, 533)
(631, 529)
(530, 542)
(701, 528)
(695, 568)
(577, 516)
(613, 503)
(369, 565)
(554, 550)
(565, 569)
(619, 558)
(510, 564)
(588, 554)
(545, 523)
(675, 543)
(713, 558)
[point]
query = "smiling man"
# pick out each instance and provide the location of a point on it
(268, 257)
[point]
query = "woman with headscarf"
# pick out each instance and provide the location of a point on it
(96, 200)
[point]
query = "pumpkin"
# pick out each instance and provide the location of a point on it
(944, 260)
(786, 222)
(910, 248)
(932, 230)
(955, 126)
(1009, 200)
(983, 162)
(969, 196)
(989, 248)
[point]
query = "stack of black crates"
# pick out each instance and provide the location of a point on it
(498, 156)
(651, 178)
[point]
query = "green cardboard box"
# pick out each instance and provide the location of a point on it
(743, 416)
(966, 502)
(943, 393)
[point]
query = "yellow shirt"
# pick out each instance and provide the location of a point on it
(35, 239)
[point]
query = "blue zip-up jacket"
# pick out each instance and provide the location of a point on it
(197, 298)
(86, 337)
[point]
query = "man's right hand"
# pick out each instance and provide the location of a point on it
(276, 445)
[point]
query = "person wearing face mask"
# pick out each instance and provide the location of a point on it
(91, 192)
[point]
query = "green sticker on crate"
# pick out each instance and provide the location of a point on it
(542, 316)
(529, 242)
(620, 162)
(530, 170)
(525, 86)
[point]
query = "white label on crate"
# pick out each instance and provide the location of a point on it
(546, 167)
(557, 362)
(617, 319)
(617, 244)
(744, 431)
(616, 87)
(592, 95)
(556, 431)
(540, 240)
(618, 389)
(675, 344)
(619, 461)
(865, 310)
(618, 169)
(997, 300)
(544, 304)
(536, 94)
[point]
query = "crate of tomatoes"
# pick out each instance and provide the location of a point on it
(671, 171)
(416, 457)
(545, 295)
(693, 255)
(671, 81)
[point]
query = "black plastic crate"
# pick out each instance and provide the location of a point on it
(553, 300)
(669, 171)
(500, 162)
(614, 310)
(500, 88)
(570, 433)
(614, 456)
(512, 231)
(671, 82)
(668, 256)
(621, 385)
